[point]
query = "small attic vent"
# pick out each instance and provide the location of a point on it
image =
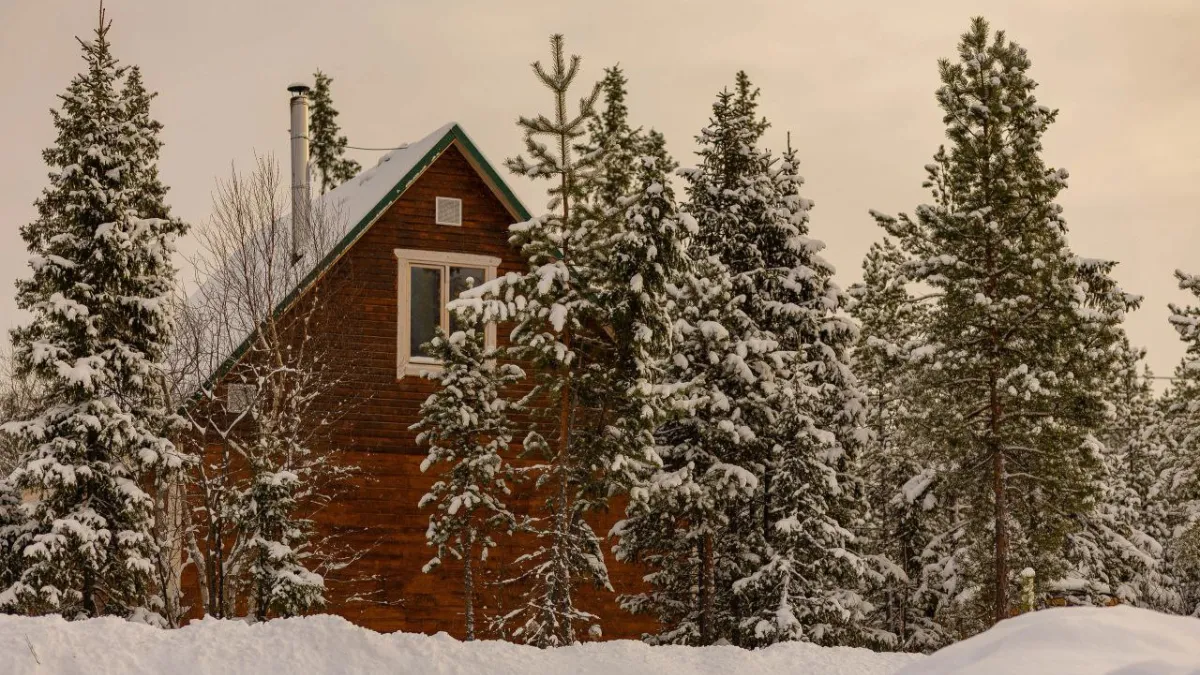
(449, 211)
(240, 397)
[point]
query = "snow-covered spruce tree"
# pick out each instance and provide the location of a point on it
(679, 523)
(614, 144)
(466, 426)
(803, 579)
(809, 585)
(1178, 481)
(327, 146)
(150, 201)
(100, 250)
(558, 323)
(728, 192)
(1117, 556)
(907, 510)
(1020, 331)
(683, 523)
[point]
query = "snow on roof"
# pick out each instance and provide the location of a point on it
(353, 200)
(344, 213)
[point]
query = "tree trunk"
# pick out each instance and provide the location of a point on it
(766, 505)
(707, 596)
(469, 584)
(1000, 501)
(89, 594)
(566, 629)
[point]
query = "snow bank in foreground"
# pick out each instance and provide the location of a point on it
(326, 644)
(1076, 641)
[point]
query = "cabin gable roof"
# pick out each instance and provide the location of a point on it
(362, 200)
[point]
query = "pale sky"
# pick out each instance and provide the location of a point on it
(852, 80)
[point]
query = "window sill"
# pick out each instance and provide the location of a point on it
(416, 368)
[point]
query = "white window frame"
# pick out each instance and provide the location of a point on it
(406, 364)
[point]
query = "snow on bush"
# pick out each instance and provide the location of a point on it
(1075, 641)
(327, 644)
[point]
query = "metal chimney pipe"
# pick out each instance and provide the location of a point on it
(301, 195)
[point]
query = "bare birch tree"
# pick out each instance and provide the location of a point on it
(259, 388)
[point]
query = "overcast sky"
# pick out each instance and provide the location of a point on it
(853, 82)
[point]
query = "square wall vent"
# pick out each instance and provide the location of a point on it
(449, 211)
(240, 397)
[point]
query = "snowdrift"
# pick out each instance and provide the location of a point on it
(1076, 641)
(1116, 641)
(326, 644)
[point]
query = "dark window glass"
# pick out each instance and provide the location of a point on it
(459, 277)
(425, 307)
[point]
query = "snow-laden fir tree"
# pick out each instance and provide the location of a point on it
(558, 324)
(696, 558)
(328, 147)
(809, 584)
(728, 192)
(618, 147)
(1020, 331)
(1117, 555)
(615, 144)
(720, 524)
(100, 251)
(643, 259)
(1178, 483)
(907, 511)
(803, 581)
(465, 423)
(280, 584)
(679, 524)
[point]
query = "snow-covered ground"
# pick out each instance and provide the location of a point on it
(1117, 641)
(325, 644)
(1077, 641)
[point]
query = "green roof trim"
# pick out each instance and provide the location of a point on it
(455, 133)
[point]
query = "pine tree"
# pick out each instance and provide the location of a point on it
(327, 146)
(558, 326)
(100, 250)
(466, 425)
(1020, 330)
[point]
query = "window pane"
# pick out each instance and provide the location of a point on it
(458, 283)
(425, 307)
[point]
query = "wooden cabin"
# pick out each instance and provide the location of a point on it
(418, 223)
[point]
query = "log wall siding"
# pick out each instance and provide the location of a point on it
(379, 513)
